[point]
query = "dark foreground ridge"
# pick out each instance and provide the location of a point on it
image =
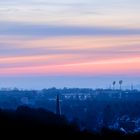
(25, 122)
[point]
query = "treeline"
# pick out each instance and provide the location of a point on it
(25, 123)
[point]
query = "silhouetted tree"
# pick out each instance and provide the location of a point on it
(114, 82)
(120, 82)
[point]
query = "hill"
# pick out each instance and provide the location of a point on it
(25, 123)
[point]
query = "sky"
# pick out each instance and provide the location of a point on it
(69, 43)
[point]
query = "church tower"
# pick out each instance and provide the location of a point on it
(58, 109)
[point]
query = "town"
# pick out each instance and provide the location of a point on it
(91, 109)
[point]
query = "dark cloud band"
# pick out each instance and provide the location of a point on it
(49, 30)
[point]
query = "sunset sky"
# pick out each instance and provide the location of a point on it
(69, 43)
